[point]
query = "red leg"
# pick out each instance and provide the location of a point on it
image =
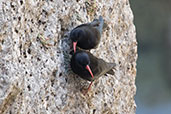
(85, 91)
(89, 86)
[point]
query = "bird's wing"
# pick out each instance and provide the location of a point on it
(106, 67)
(100, 67)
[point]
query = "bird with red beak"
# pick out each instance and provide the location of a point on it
(90, 67)
(87, 36)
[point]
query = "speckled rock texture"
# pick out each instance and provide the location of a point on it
(35, 74)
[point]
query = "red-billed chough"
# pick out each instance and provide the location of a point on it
(87, 36)
(90, 67)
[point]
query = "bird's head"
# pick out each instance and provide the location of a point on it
(75, 37)
(83, 60)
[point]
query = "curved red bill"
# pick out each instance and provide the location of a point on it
(74, 46)
(88, 68)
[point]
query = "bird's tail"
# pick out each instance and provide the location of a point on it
(98, 24)
(100, 27)
(111, 65)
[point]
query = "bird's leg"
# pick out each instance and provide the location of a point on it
(85, 91)
(89, 86)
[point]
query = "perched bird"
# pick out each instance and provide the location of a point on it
(87, 36)
(90, 67)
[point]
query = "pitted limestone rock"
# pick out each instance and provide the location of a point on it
(35, 55)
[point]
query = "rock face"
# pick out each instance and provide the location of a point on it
(35, 75)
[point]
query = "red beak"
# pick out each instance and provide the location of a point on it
(88, 68)
(74, 46)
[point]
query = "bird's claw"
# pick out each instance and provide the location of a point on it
(84, 91)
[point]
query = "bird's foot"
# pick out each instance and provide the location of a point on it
(84, 91)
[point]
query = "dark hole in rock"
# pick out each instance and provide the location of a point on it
(105, 104)
(43, 22)
(52, 83)
(12, 5)
(39, 22)
(128, 68)
(21, 2)
(29, 87)
(47, 98)
(66, 79)
(110, 10)
(94, 110)
(24, 53)
(53, 94)
(20, 47)
(60, 74)
(10, 112)
(32, 21)
(127, 3)
(29, 51)
(19, 18)
(119, 62)
(31, 29)
(38, 59)
(62, 29)
(2, 41)
(21, 93)
(54, 73)
(119, 91)
(46, 13)
(116, 48)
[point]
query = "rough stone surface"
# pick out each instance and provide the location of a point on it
(35, 75)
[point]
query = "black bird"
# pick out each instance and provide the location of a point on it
(90, 67)
(87, 36)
